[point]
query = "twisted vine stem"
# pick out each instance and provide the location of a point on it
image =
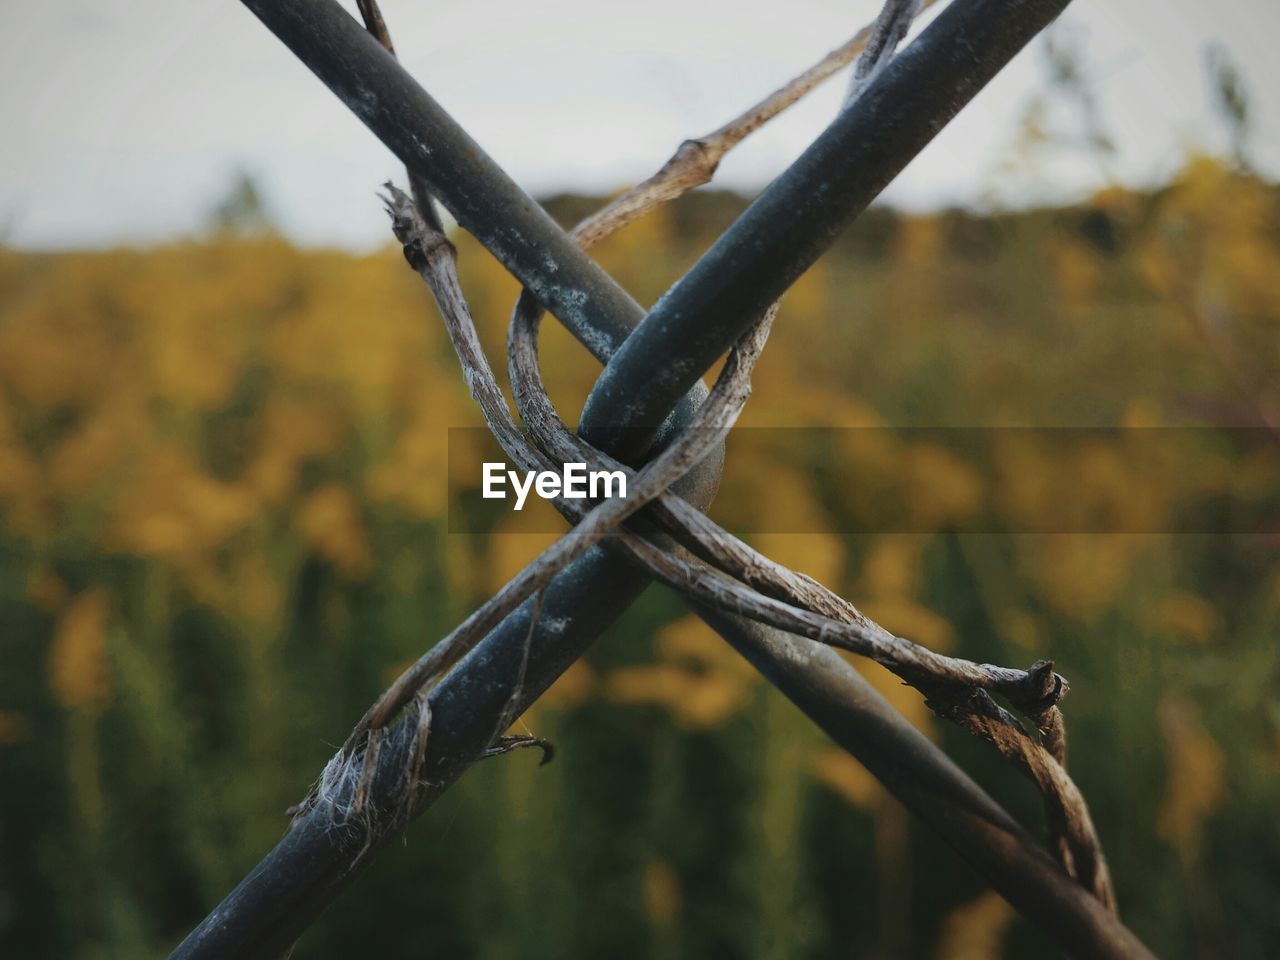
(725, 573)
(898, 110)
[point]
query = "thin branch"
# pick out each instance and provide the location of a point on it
(517, 689)
(374, 23)
(421, 191)
(484, 200)
(696, 160)
(313, 863)
(433, 257)
(801, 213)
(889, 30)
(1075, 838)
(504, 745)
(1211, 329)
(1036, 691)
(1069, 822)
(700, 534)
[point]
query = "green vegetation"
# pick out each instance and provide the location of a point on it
(223, 502)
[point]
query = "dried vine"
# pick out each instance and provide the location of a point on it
(696, 160)
(383, 770)
(733, 577)
(728, 574)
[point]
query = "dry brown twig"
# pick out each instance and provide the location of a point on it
(888, 30)
(1072, 834)
(375, 24)
(1075, 841)
(1071, 829)
(842, 626)
(729, 575)
(434, 258)
(696, 160)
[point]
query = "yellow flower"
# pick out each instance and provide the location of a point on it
(847, 778)
(700, 680)
(941, 489)
(329, 520)
(892, 567)
(1185, 617)
(1196, 787)
(975, 931)
(662, 898)
(78, 669)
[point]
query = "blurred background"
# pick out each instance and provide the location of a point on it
(224, 415)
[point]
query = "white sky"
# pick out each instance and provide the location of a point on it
(123, 122)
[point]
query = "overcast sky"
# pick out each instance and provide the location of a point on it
(124, 122)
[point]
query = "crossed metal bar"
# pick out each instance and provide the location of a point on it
(653, 366)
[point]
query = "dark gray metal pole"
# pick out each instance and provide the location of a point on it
(928, 783)
(314, 862)
(799, 215)
(486, 202)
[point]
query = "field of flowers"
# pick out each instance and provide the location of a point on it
(224, 527)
